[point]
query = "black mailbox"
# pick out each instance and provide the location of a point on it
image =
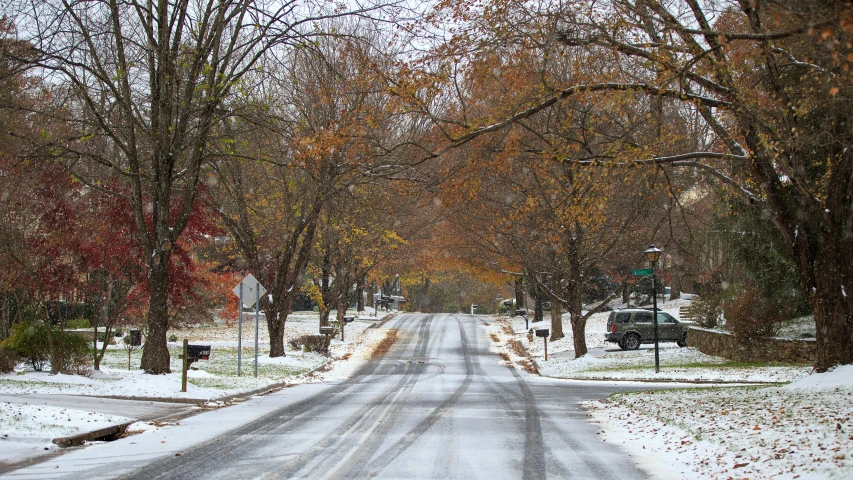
(541, 332)
(349, 319)
(198, 352)
(521, 313)
(327, 330)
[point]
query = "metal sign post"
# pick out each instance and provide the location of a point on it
(257, 322)
(240, 331)
(250, 283)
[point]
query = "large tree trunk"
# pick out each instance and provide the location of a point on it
(275, 327)
(556, 320)
(539, 299)
(325, 289)
(519, 292)
(574, 292)
(575, 307)
(359, 289)
(826, 272)
(155, 353)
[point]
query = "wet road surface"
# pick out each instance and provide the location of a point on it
(438, 404)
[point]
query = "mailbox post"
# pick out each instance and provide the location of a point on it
(191, 354)
(543, 332)
(327, 330)
(347, 319)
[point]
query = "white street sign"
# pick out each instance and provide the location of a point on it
(249, 296)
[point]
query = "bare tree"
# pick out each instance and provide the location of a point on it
(153, 79)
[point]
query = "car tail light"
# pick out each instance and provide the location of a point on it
(613, 328)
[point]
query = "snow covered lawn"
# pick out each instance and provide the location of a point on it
(606, 361)
(802, 430)
(208, 379)
(25, 429)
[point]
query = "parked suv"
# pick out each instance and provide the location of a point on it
(632, 327)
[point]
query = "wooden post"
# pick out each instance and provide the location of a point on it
(545, 340)
(185, 364)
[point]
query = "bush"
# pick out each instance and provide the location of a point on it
(78, 323)
(29, 342)
(173, 338)
(315, 343)
(8, 360)
(752, 314)
(72, 353)
(707, 310)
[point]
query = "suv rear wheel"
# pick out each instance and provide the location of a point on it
(632, 341)
(622, 345)
(682, 342)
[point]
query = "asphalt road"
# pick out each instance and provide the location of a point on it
(438, 405)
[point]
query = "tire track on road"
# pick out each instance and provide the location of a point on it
(297, 415)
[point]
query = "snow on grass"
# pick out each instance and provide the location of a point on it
(676, 364)
(606, 361)
(803, 327)
(40, 421)
(208, 379)
(27, 429)
(803, 430)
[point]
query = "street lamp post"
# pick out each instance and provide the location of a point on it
(653, 254)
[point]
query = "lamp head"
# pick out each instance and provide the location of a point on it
(653, 253)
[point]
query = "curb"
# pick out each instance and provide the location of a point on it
(109, 433)
(668, 380)
(115, 432)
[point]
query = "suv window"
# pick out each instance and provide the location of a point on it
(643, 317)
(665, 318)
(623, 317)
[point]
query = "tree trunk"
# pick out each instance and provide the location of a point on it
(459, 298)
(556, 320)
(831, 300)
(677, 285)
(51, 342)
(578, 332)
(325, 289)
(275, 327)
(575, 307)
(574, 293)
(155, 353)
(519, 292)
(359, 289)
(537, 310)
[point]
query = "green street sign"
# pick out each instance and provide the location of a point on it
(644, 271)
